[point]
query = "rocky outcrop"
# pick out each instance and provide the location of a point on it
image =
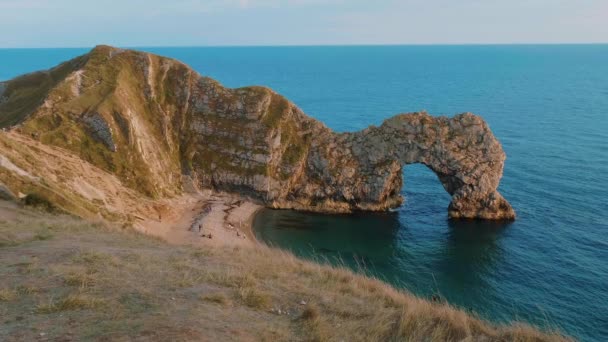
(158, 125)
(99, 129)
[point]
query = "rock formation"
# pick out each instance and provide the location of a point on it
(161, 128)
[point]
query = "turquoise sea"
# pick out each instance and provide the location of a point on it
(547, 104)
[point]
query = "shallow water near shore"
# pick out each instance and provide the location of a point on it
(548, 106)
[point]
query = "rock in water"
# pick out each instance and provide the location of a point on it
(154, 123)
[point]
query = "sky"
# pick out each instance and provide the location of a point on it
(138, 23)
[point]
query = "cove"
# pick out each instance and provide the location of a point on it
(414, 247)
(474, 265)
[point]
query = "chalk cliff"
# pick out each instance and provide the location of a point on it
(163, 129)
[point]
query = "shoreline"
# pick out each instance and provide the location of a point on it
(203, 219)
(249, 226)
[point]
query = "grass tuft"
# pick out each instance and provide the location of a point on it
(95, 258)
(69, 303)
(7, 295)
(43, 235)
(218, 298)
(255, 298)
(311, 313)
(81, 279)
(316, 327)
(27, 289)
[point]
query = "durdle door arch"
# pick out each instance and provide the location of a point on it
(461, 151)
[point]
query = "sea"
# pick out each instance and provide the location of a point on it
(546, 104)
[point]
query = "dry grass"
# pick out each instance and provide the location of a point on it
(315, 326)
(70, 302)
(255, 298)
(112, 284)
(81, 279)
(10, 239)
(218, 298)
(311, 313)
(7, 295)
(27, 289)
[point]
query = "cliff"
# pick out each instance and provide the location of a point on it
(162, 129)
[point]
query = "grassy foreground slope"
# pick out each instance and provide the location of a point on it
(64, 279)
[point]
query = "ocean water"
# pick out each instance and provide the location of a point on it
(548, 105)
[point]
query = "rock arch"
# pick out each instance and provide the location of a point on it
(363, 170)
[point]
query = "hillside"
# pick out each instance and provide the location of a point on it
(65, 279)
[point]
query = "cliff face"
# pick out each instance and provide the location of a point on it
(163, 129)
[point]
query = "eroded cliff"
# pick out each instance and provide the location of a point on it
(162, 129)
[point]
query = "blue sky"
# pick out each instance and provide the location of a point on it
(84, 23)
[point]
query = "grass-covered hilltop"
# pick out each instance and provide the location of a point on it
(128, 183)
(62, 279)
(163, 129)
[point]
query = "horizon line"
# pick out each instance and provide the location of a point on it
(306, 45)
